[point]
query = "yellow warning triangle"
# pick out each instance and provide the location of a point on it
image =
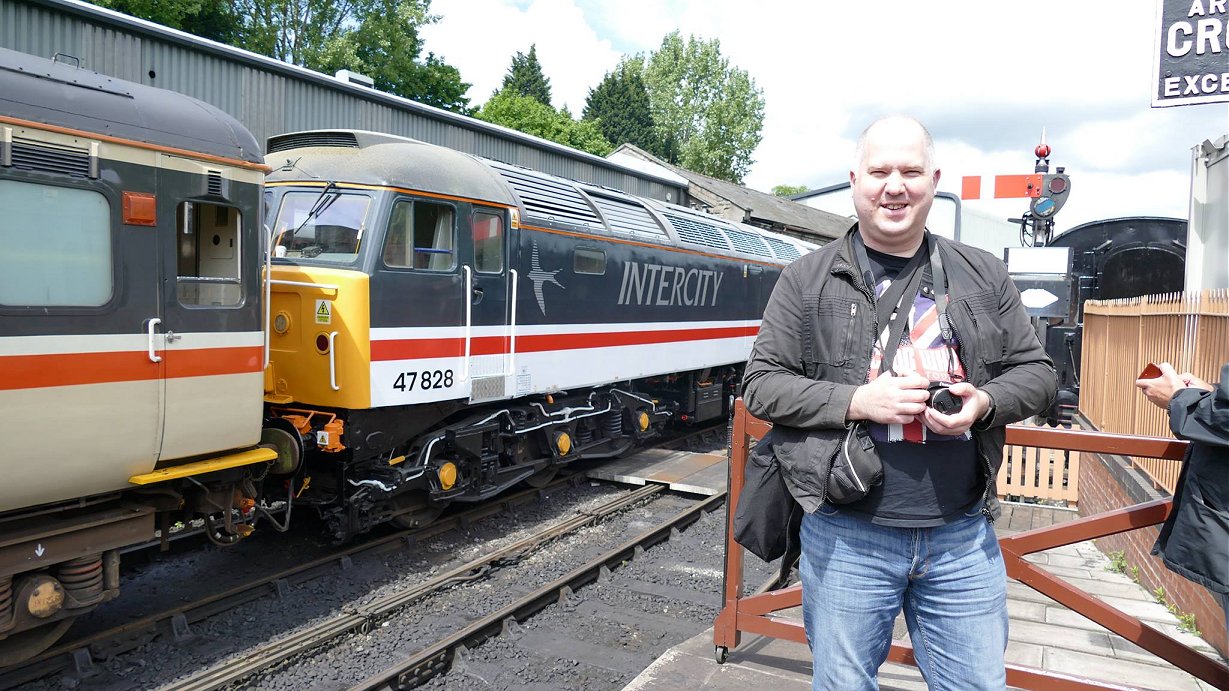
(323, 310)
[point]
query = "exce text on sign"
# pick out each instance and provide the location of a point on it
(1193, 43)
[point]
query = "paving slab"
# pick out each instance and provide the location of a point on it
(1043, 634)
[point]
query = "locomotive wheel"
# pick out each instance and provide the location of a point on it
(26, 644)
(420, 510)
(543, 477)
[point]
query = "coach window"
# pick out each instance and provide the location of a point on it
(55, 246)
(589, 261)
(488, 242)
(208, 255)
(421, 235)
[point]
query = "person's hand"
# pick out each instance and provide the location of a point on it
(975, 403)
(1191, 380)
(890, 399)
(1160, 389)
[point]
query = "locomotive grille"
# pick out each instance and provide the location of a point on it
(215, 183)
(747, 242)
(699, 233)
(550, 198)
(345, 140)
(783, 249)
(628, 217)
(41, 157)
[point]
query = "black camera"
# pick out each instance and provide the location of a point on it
(942, 399)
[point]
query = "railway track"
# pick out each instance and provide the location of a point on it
(74, 658)
(74, 653)
(421, 666)
(444, 654)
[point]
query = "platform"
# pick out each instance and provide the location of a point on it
(681, 471)
(1042, 633)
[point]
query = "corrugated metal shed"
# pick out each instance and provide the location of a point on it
(272, 97)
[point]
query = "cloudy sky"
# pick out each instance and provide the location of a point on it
(985, 77)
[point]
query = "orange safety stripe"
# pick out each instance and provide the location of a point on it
(76, 369)
(187, 153)
(387, 188)
(422, 348)
(970, 187)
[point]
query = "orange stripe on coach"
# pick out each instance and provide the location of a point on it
(76, 369)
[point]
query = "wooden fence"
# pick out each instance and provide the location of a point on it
(1190, 331)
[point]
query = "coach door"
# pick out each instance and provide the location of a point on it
(209, 327)
(492, 352)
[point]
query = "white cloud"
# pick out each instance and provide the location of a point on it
(986, 77)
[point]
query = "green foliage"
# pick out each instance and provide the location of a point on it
(788, 190)
(530, 116)
(378, 38)
(1186, 620)
(708, 114)
(386, 47)
(525, 77)
(620, 106)
(1118, 561)
(215, 20)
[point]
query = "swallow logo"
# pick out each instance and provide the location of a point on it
(541, 278)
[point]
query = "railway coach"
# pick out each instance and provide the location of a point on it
(131, 341)
(445, 326)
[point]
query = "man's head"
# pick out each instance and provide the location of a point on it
(894, 180)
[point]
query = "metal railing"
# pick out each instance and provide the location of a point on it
(756, 614)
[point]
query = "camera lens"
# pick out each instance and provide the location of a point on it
(943, 400)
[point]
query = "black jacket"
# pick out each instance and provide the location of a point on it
(815, 343)
(1194, 540)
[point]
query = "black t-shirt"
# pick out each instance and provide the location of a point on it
(928, 479)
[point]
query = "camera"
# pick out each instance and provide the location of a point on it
(943, 400)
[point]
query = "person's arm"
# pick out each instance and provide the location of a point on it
(1028, 382)
(775, 386)
(1200, 415)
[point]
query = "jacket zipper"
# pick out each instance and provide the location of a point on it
(990, 479)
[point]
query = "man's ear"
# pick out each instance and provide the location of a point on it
(936, 180)
(852, 177)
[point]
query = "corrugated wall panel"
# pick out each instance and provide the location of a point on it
(270, 100)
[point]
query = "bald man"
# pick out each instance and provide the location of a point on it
(919, 347)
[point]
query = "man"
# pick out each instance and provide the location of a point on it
(921, 538)
(1194, 540)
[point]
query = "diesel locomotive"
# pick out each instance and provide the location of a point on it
(443, 326)
(358, 324)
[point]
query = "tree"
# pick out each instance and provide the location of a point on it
(530, 116)
(386, 47)
(789, 190)
(212, 19)
(525, 77)
(378, 38)
(708, 112)
(620, 107)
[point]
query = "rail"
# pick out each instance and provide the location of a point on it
(756, 613)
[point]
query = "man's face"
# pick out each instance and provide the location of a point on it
(893, 187)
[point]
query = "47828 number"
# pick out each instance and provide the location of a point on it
(427, 379)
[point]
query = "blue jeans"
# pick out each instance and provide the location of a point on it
(950, 580)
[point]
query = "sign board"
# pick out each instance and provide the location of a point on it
(1192, 64)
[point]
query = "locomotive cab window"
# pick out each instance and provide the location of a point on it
(589, 261)
(421, 235)
(56, 246)
(488, 242)
(320, 226)
(208, 255)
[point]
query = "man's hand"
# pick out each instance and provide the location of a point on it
(889, 400)
(1162, 388)
(975, 403)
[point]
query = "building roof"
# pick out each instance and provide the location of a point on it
(763, 207)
